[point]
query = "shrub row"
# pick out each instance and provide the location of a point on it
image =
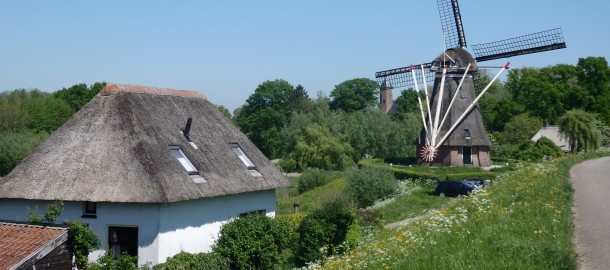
(401, 172)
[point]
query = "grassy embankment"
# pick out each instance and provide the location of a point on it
(522, 221)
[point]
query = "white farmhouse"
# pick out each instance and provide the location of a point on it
(152, 171)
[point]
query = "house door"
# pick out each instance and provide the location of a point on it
(467, 154)
(122, 240)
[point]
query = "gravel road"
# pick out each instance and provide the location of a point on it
(591, 182)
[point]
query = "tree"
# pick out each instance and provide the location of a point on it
(15, 146)
(520, 128)
(79, 94)
(264, 115)
(354, 95)
(536, 89)
(578, 127)
(298, 101)
(224, 111)
(594, 78)
(407, 103)
(316, 147)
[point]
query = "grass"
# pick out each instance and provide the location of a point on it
(413, 201)
(309, 200)
(522, 221)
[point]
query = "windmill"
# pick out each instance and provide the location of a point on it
(453, 132)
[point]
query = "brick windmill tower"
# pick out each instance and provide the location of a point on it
(453, 132)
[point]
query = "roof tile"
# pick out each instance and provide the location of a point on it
(18, 241)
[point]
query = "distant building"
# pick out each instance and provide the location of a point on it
(153, 172)
(553, 134)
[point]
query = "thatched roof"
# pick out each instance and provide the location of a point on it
(473, 122)
(117, 149)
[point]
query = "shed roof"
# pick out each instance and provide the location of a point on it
(20, 243)
(117, 149)
(553, 134)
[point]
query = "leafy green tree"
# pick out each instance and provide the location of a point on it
(83, 241)
(578, 127)
(224, 111)
(79, 94)
(15, 146)
(407, 103)
(520, 129)
(254, 241)
(31, 109)
(353, 95)
(316, 147)
(541, 95)
(298, 101)
(264, 115)
(594, 78)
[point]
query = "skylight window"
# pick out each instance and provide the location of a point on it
(242, 156)
(184, 161)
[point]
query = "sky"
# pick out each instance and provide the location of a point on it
(225, 49)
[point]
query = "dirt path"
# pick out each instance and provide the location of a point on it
(591, 182)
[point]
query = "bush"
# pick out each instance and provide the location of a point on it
(106, 262)
(82, 241)
(313, 178)
(254, 242)
(543, 148)
(198, 261)
(368, 185)
(323, 232)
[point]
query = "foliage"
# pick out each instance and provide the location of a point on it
(298, 101)
(525, 216)
(106, 262)
(594, 77)
(423, 172)
(520, 129)
(373, 134)
(578, 127)
(353, 95)
(542, 149)
(16, 146)
(323, 232)
(31, 109)
(224, 111)
(83, 240)
(198, 261)
(264, 115)
(79, 94)
(316, 147)
(314, 198)
(368, 185)
(407, 103)
(50, 216)
(312, 178)
(254, 242)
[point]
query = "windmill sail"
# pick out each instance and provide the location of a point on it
(451, 20)
(401, 77)
(532, 43)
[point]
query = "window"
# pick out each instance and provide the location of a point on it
(242, 156)
(186, 163)
(122, 240)
(467, 134)
(89, 210)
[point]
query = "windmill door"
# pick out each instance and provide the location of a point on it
(467, 154)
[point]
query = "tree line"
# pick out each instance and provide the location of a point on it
(333, 132)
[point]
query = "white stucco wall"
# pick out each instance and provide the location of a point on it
(163, 229)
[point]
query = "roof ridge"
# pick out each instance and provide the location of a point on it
(114, 88)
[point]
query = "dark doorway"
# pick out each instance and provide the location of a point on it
(122, 240)
(467, 154)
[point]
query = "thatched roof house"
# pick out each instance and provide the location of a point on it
(134, 147)
(117, 149)
(553, 134)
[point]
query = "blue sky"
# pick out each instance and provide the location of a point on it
(227, 48)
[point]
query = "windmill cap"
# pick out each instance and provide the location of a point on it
(458, 58)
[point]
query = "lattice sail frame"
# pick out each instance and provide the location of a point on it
(451, 21)
(537, 42)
